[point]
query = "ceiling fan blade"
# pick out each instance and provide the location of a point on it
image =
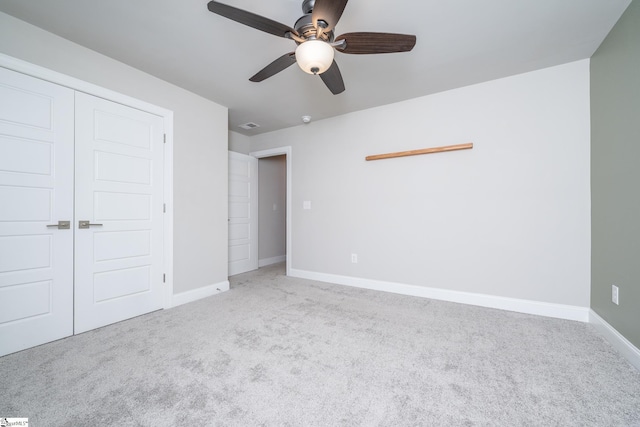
(251, 19)
(333, 79)
(275, 67)
(328, 11)
(365, 43)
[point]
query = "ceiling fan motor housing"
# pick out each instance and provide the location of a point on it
(304, 27)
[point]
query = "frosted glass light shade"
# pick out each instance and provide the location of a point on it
(314, 56)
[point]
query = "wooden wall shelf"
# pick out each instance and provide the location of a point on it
(421, 151)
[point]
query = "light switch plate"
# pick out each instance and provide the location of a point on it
(306, 204)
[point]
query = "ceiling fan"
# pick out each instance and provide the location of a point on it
(313, 33)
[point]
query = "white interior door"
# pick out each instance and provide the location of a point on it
(243, 213)
(119, 192)
(36, 191)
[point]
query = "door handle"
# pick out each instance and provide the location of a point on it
(87, 224)
(61, 225)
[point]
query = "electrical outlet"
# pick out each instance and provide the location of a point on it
(354, 258)
(615, 295)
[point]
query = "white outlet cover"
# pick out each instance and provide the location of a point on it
(306, 204)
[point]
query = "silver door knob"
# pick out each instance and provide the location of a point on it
(87, 224)
(61, 225)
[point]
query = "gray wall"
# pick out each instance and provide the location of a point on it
(239, 143)
(200, 145)
(615, 175)
(509, 218)
(272, 195)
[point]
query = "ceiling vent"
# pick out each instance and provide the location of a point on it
(249, 126)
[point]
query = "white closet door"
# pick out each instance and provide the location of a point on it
(36, 191)
(243, 213)
(118, 190)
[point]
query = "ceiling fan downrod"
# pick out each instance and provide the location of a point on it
(307, 6)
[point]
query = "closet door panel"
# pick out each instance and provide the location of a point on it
(36, 191)
(119, 188)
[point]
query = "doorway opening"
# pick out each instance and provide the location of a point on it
(274, 198)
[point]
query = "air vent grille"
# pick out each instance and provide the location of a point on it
(249, 126)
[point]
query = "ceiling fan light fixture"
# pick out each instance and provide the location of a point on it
(314, 35)
(314, 56)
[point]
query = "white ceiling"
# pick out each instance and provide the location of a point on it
(459, 42)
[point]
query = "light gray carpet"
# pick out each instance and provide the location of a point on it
(278, 351)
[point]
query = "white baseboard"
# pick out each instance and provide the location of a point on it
(617, 341)
(273, 260)
(196, 294)
(560, 311)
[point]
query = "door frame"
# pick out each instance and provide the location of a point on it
(46, 74)
(289, 164)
